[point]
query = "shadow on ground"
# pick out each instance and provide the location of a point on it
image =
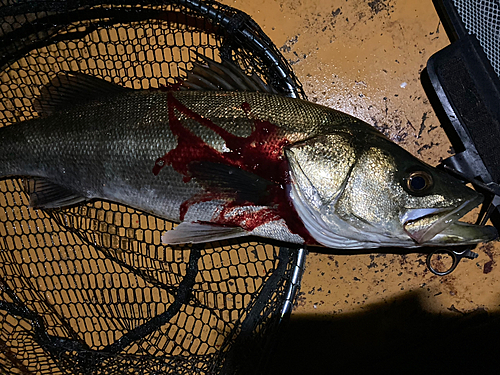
(398, 337)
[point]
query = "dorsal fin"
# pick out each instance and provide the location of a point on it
(209, 75)
(70, 88)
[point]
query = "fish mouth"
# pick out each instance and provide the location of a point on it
(441, 226)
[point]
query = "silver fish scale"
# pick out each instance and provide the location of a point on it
(107, 149)
(296, 119)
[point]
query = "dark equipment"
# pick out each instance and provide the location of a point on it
(462, 83)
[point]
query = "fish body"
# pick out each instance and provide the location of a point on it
(233, 163)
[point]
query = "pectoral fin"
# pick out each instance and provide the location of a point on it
(200, 233)
(45, 194)
(245, 186)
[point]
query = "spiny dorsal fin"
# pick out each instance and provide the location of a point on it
(200, 233)
(70, 88)
(209, 75)
(45, 194)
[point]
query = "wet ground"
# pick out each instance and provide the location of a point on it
(375, 312)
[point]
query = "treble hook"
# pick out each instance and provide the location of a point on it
(456, 257)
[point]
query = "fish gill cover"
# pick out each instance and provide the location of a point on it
(91, 289)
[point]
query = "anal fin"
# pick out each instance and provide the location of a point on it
(189, 232)
(45, 194)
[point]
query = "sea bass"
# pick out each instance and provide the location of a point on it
(227, 164)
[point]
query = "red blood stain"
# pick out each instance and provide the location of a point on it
(261, 153)
(231, 216)
(204, 197)
(246, 107)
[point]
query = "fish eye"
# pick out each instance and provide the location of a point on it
(418, 182)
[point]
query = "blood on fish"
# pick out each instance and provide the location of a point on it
(260, 153)
(230, 216)
(246, 107)
(203, 197)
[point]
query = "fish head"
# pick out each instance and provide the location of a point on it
(360, 190)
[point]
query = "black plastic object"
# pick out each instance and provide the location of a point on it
(465, 90)
(91, 289)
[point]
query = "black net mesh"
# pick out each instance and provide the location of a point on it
(482, 18)
(91, 289)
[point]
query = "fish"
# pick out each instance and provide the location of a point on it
(225, 156)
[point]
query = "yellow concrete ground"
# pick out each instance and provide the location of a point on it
(365, 58)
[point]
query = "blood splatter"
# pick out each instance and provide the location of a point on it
(231, 216)
(246, 107)
(260, 153)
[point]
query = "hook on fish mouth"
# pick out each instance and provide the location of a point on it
(441, 226)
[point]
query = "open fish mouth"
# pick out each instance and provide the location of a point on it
(441, 226)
